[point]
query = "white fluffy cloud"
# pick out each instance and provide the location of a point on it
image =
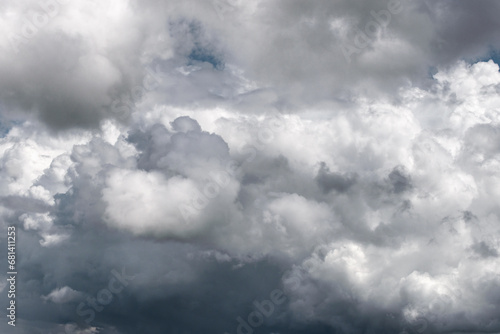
(385, 201)
(209, 145)
(62, 295)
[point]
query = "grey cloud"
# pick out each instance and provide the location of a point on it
(178, 152)
(399, 180)
(185, 124)
(328, 181)
(219, 151)
(484, 250)
(21, 204)
(463, 29)
(295, 47)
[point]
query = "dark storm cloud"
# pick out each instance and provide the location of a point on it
(464, 29)
(484, 250)
(60, 79)
(21, 204)
(67, 80)
(304, 54)
(399, 181)
(215, 152)
(328, 181)
(72, 76)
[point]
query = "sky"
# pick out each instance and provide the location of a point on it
(261, 166)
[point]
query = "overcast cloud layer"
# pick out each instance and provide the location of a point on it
(244, 167)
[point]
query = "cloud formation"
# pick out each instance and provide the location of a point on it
(219, 152)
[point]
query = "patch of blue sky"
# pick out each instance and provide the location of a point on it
(493, 54)
(199, 54)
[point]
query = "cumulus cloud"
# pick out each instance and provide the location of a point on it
(62, 295)
(177, 164)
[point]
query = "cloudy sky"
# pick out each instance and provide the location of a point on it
(261, 166)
